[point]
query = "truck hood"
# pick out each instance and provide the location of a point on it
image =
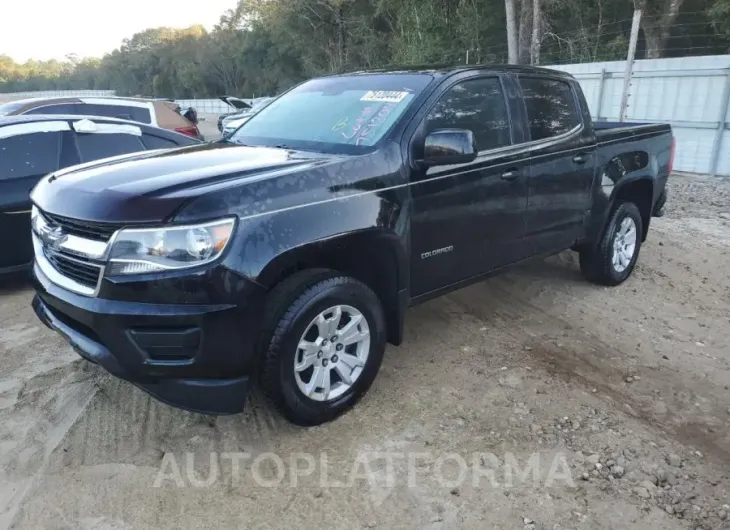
(150, 187)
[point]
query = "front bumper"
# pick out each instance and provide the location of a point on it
(198, 357)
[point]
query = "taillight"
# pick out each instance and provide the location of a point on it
(189, 131)
(671, 154)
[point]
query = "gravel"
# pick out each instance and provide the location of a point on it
(698, 196)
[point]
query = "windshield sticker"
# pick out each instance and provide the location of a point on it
(385, 96)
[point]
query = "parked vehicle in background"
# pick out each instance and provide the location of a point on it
(288, 252)
(32, 146)
(239, 105)
(233, 121)
(156, 112)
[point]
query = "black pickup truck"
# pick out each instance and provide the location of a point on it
(288, 253)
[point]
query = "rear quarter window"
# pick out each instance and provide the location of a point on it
(141, 115)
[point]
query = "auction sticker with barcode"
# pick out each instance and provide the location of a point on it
(385, 96)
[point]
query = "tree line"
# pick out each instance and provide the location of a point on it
(264, 46)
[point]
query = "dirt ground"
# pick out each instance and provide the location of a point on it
(616, 398)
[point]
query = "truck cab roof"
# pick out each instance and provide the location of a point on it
(448, 70)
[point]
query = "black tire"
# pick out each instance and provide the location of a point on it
(596, 262)
(291, 308)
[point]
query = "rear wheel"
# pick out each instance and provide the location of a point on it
(325, 346)
(613, 260)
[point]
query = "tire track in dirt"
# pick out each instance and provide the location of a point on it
(46, 407)
(579, 356)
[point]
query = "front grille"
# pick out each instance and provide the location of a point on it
(77, 269)
(85, 229)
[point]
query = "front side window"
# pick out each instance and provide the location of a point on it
(97, 146)
(26, 155)
(337, 114)
(477, 105)
(551, 108)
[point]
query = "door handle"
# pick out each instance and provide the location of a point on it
(510, 174)
(580, 159)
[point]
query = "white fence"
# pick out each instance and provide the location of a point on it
(213, 106)
(56, 93)
(691, 94)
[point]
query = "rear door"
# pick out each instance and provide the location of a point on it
(563, 157)
(468, 219)
(24, 160)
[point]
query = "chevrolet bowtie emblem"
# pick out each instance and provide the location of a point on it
(53, 237)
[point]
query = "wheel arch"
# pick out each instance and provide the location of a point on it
(640, 191)
(373, 256)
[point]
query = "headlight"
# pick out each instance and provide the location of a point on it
(138, 251)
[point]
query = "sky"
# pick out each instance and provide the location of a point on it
(52, 29)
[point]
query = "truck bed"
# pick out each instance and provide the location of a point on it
(613, 130)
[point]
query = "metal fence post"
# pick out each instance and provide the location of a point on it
(717, 144)
(601, 84)
(630, 63)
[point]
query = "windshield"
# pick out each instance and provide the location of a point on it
(337, 114)
(7, 108)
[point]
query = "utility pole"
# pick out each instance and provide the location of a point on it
(630, 64)
(535, 41)
(512, 50)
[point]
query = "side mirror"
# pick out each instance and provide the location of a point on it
(449, 146)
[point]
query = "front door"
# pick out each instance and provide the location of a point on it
(469, 219)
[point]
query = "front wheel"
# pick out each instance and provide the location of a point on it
(325, 348)
(613, 259)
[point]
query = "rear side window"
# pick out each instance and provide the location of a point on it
(551, 107)
(122, 112)
(477, 105)
(60, 108)
(157, 142)
(27, 155)
(96, 146)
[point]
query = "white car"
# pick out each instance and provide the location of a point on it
(231, 123)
